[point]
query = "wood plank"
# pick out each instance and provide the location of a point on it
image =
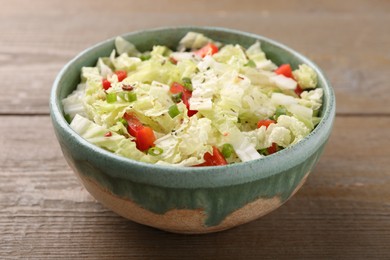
(347, 40)
(342, 211)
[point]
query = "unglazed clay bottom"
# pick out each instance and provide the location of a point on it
(184, 221)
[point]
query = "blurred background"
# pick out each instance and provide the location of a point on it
(349, 35)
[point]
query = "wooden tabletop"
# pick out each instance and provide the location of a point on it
(343, 210)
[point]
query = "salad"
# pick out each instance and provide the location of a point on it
(204, 104)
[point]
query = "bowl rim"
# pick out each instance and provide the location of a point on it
(212, 176)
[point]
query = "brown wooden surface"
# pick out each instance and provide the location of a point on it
(343, 211)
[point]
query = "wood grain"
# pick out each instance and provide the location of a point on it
(349, 41)
(343, 211)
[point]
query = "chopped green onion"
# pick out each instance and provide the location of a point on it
(173, 111)
(279, 111)
(155, 151)
(186, 80)
(131, 96)
(187, 83)
(251, 64)
(68, 118)
(177, 97)
(264, 151)
(128, 96)
(121, 95)
(111, 97)
(123, 121)
(145, 56)
(227, 150)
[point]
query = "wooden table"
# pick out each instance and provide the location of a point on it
(343, 211)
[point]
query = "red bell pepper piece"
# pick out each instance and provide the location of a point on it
(265, 122)
(121, 74)
(177, 88)
(208, 49)
(145, 138)
(106, 84)
(133, 124)
(298, 90)
(214, 159)
(272, 149)
(173, 60)
(285, 70)
(144, 135)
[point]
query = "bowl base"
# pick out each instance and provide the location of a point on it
(183, 221)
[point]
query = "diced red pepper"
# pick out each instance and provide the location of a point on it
(121, 74)
(108, 134)
(177, 88)
(106, 84)
(208, 49)
(144, 135)
(190, 113)
(133, 124)
(214, 159)
(173, 60)
(145, 138)
(265, 122)
(285, 70)
(298, 90)
(272, 149)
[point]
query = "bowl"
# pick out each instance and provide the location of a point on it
(189, 199)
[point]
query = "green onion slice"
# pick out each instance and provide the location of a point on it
(145, 56)
(187, 83)
(177, 97)
(111, 97)
(155, 151)
(131, 96)
(263, 151)
(68, 118)
(279, 111)
(173, 111)
(227, 150)
(251, 64)
(123, 121)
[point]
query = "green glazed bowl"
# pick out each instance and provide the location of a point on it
(189, 199)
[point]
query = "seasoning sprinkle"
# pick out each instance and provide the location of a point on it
(127, 87)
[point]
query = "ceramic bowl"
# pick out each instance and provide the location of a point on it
(189, 199)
